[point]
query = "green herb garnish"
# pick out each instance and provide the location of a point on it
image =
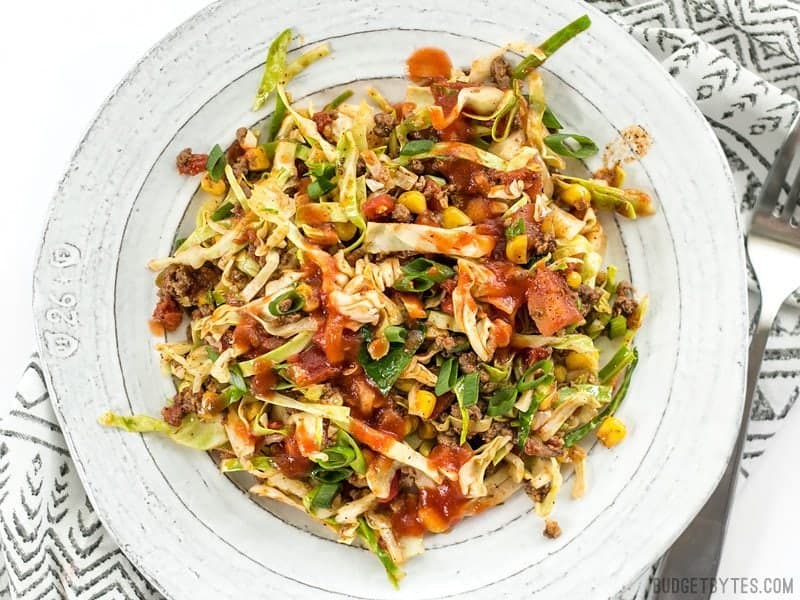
(215, 165)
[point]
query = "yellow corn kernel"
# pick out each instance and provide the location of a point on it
(574, 280)
(576, 195)
(453, 217)
(345, 231)
(413, 201)
(421, 403)
(577, 361)
(560, 373)
(611, 432)
(517, 249)
(218, 188)
(410, 424)
(425, 447)
(257, 159)
(426, 431)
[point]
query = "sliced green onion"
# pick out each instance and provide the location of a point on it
(237, 378)
(306, 59)
(319, 187)
(433, 270)
(359, 463)
(528, 382)
(611, 279)
(212, 354)
(274, 67)
(223, 212)
(617, 327)
(323, 169)
(232, 394)
(551, 45)
(448, 375)
(496, 374)
(395, 334)
(571, 145)
(324, 475)
(322, 496)
(550, 120)
(540, 392)
(415, 283)
(480, 143)
(338, 458)
(415, 147)
(576, 435)
(270, 148)
(215, 165)
(385, 371)
(341, 98)
(621, 359)
(466, 391)
(515, 229)
(261, 463)
(502, 401)
(393, 572)
(274, 123)
(296, 303)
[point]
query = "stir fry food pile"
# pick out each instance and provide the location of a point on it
(394, 310)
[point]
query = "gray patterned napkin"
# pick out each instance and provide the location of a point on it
(738, 59)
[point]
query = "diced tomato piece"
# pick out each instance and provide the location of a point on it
(310, 366)
(502, 333)
(378, 207)
(290, 461)
(168, 313)
(551, 303)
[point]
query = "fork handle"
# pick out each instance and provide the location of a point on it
(696, 553)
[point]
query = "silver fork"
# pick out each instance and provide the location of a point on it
(773, 245)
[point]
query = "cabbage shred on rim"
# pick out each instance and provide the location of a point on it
(395, 311)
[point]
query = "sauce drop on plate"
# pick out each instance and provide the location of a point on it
(428, 63)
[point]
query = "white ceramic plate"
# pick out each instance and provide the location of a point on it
(190, 529)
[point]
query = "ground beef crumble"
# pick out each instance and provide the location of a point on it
(551, 528)
(401, 214)
(625, 304)
(190, 163)
(183, 403)
(184, 283)
(384, 123)
(501, 72)
(589, 297)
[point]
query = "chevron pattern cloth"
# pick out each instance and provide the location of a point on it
(738, 59)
